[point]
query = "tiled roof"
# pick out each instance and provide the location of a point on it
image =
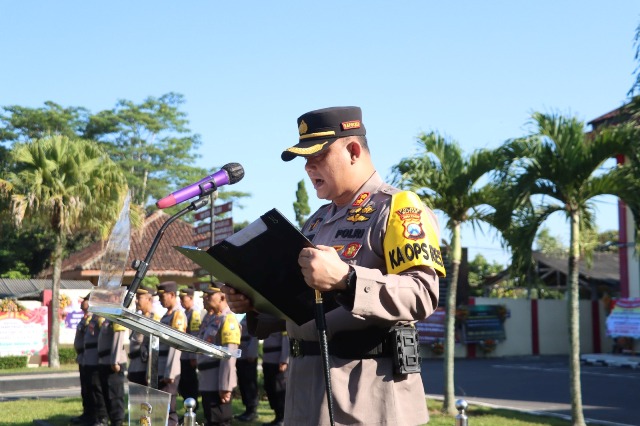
(165, 261)
(605, 266)
(21, 288)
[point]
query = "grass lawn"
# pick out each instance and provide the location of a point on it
(58, 411)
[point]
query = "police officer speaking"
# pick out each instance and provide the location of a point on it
(377, 253)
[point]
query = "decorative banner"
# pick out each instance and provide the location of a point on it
(482, 322)
(432, 328)
(24, 332)
(624, 320)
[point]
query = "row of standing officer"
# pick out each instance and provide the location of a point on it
(100, 345)
(102, 360)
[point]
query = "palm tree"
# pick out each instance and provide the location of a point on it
(564, 166)
(64, 185)
(447, 181)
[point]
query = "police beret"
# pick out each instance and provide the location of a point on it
(320, 128)
(146, 289)
(187, 291)
(167, 287)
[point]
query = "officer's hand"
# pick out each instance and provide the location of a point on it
(283, 367)
(115, 368)
(225, 396)
(167, 381)
(238, 302)
(323, 269)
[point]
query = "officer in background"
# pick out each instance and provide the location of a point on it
(188, 386)
(78, 345)
(138, 342)
(168, 357)
(275, 360)
(112, 364)
(97, 409)
(217, 376)
(247, 369)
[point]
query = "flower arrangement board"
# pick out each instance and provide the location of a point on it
(482, 323)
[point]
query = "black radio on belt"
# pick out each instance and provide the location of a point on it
(403, 341)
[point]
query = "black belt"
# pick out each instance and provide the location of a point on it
(209, 365)
(134, 355)
(267, 350)
(164, 352)
(361, 344)
(91, 345)
(103, 353)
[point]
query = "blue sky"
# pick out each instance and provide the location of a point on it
(471, 70)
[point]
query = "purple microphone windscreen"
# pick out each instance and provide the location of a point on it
(229, 174)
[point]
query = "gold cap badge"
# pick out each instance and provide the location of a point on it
(302, 128)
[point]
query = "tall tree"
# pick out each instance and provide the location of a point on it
(448, 181)
(563, 165)
(22, 124)
(151, 142)
(64, 185)
(549, 244)
(301, 205)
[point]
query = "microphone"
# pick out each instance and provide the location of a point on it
(228, 175)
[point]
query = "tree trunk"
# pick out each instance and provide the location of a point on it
(449, 405)
(574, 323)
(54, 359)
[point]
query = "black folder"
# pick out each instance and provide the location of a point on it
(261, 261)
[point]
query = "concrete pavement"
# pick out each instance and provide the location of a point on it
(39, 385)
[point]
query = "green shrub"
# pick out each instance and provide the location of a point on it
(13, 361)
(66, 355)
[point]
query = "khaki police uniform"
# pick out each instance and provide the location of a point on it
(139, 355)
(214, 374)
(247, 369)
(111, 352)
(85, 386)
(169, 362)
(275, 351)
(188, 387)
(390, 239)
(98, 408)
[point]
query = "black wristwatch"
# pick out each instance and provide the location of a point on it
(351, 280)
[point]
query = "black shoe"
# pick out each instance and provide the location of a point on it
(247, 417)
(101, 422)
(78, 420)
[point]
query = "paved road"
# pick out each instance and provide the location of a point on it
(610, 395)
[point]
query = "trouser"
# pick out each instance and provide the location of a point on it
(139, 377)
(171, 388)
(97, 408)
(248, 383)
(112, 384)
(275, 384)
(215, 412)
(188, 387)
(85, 391)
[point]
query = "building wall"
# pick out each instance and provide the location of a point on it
(552, 329)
